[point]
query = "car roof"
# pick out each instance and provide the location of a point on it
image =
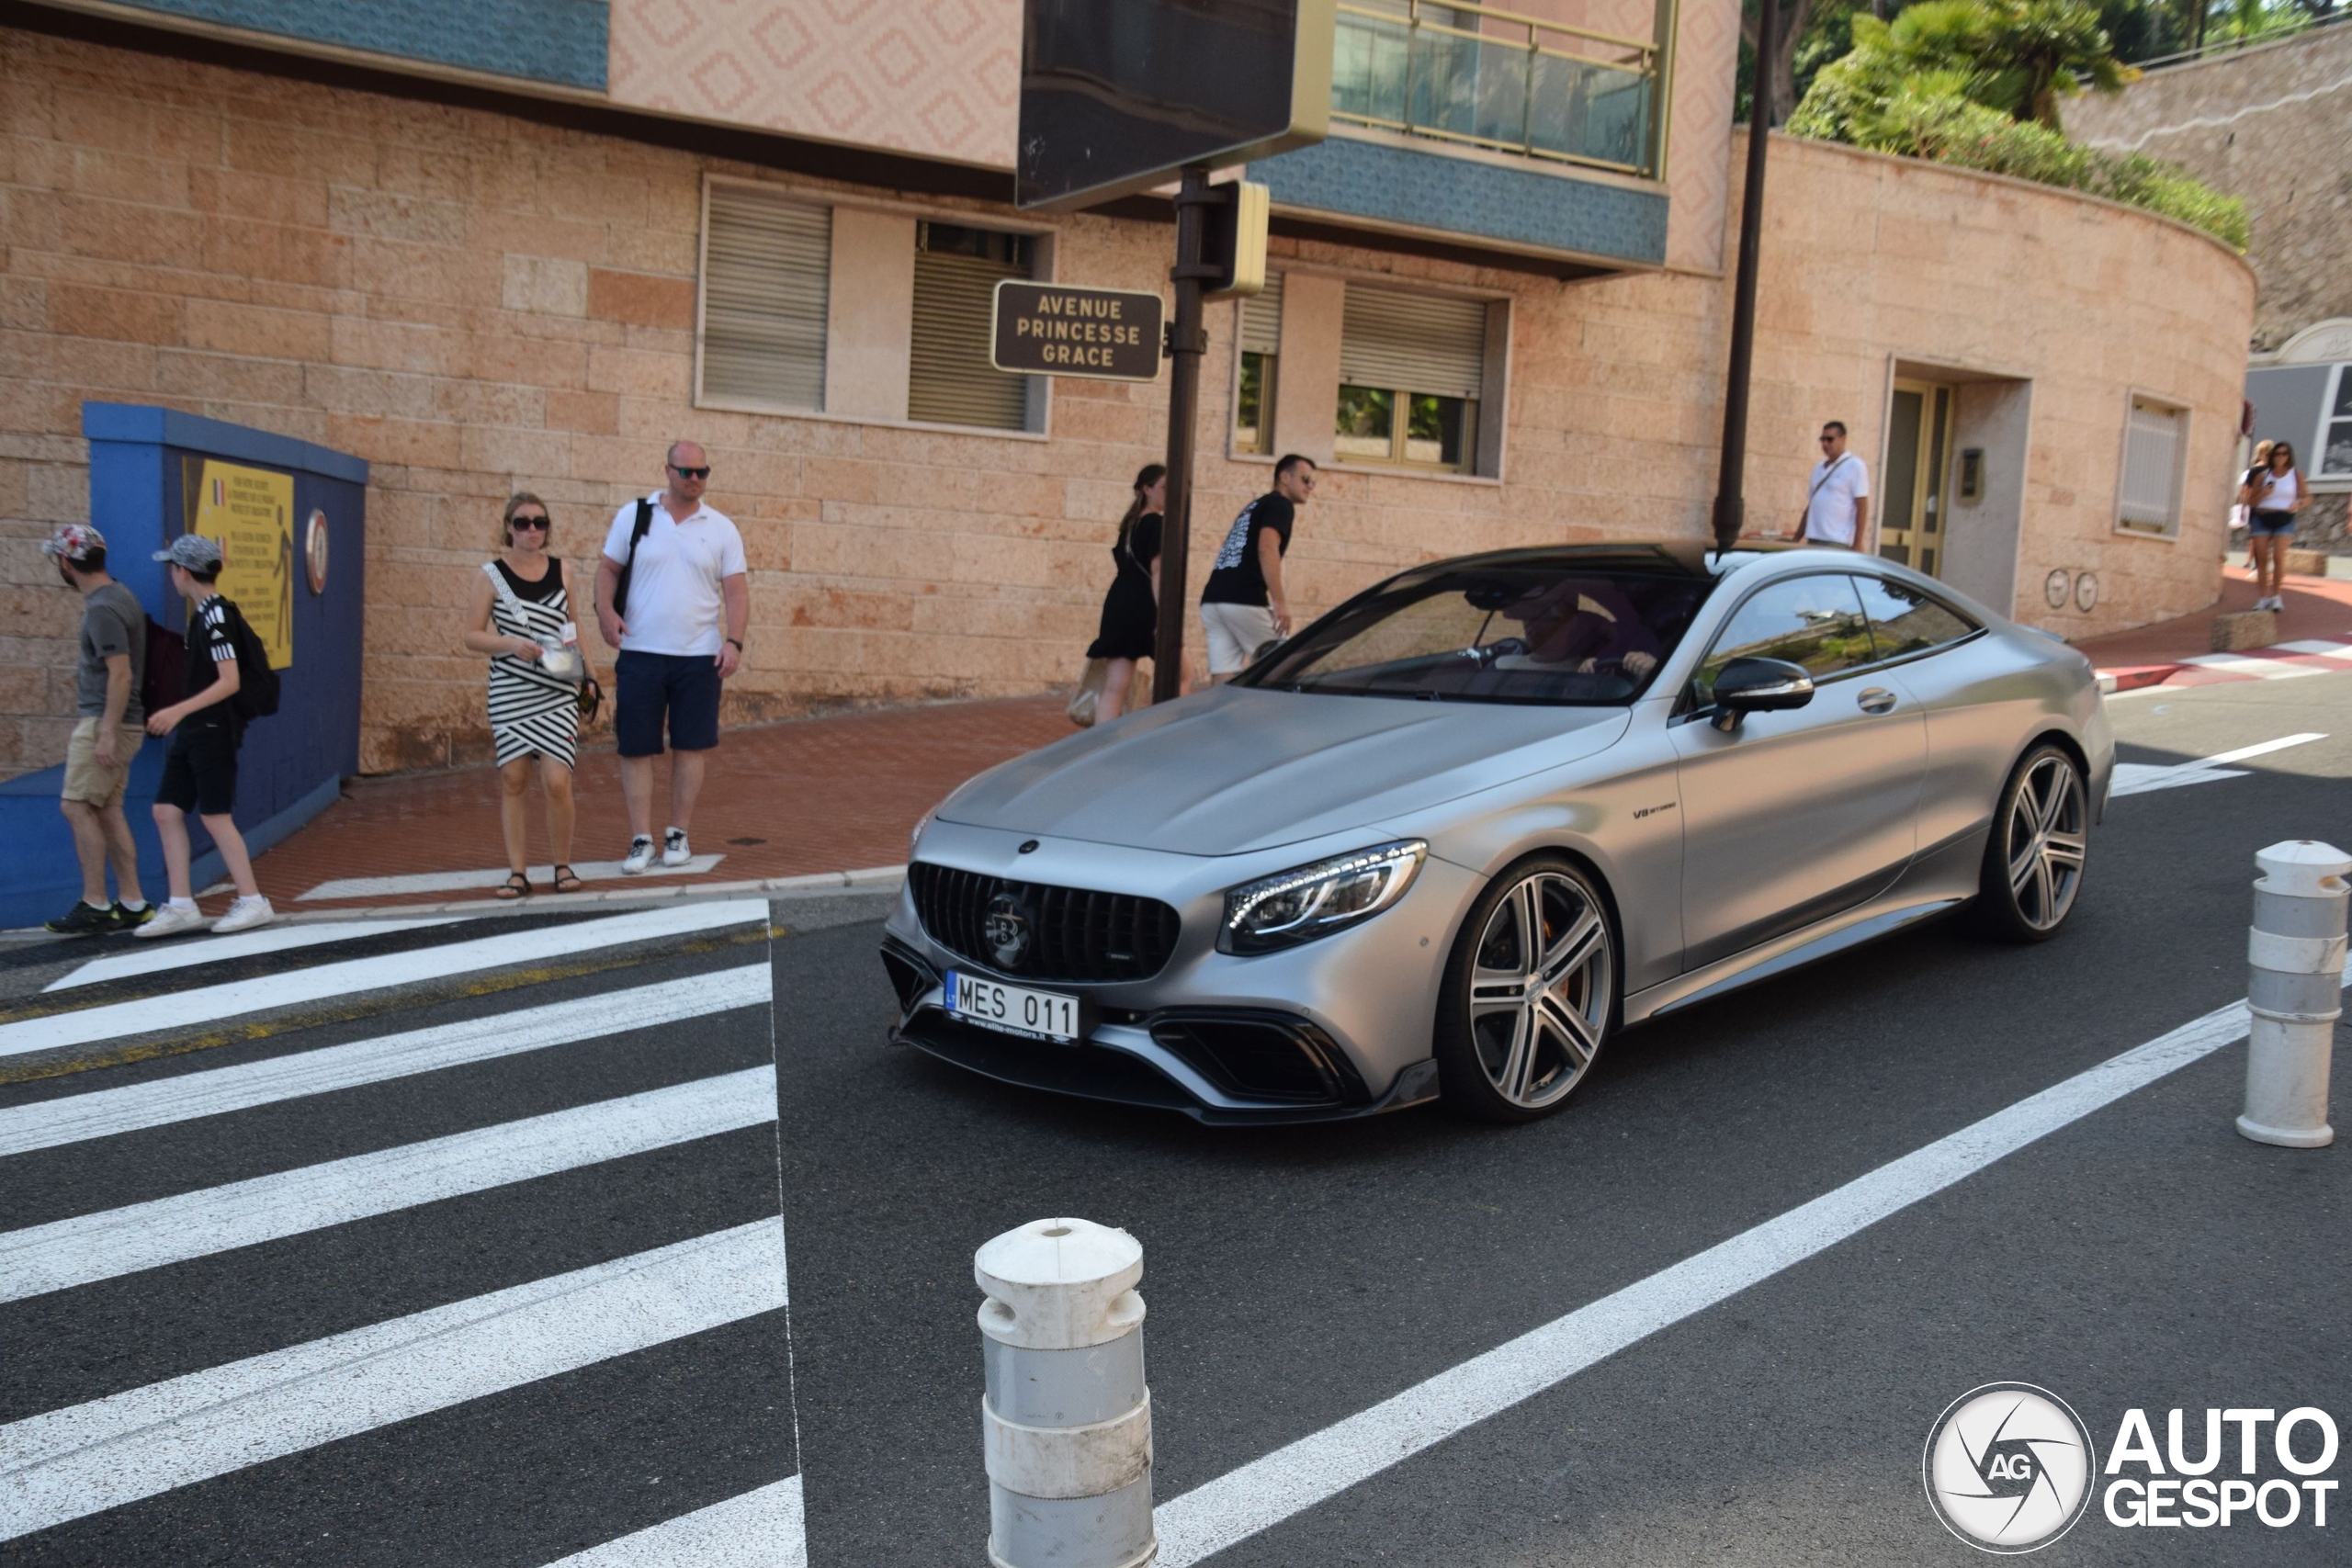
(1674, 558)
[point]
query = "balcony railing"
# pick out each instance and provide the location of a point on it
(1490, 78)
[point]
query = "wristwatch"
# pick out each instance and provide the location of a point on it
(737, 643)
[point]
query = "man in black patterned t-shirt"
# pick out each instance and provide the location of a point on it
(200, 771)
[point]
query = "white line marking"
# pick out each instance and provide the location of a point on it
(149, 957)
(1300, 1475)
(2322, 649)
(210, 1003)
(2138, 778)
(63, 1254)
(2260, 669)
(67, 1463)
(102, 1113)
(759, 1529)
(542, 878)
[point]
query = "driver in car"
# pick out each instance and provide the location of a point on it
(1587, 624)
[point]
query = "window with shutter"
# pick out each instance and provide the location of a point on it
(950, 381)
(2149, 501)
(1412, 372)
(767, 260)
(1261, 342)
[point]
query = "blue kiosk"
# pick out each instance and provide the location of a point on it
(156, 473)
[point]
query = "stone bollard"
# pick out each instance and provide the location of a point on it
(2297, 993)
(1066, 1419)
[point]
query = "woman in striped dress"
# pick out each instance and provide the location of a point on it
(521, 610)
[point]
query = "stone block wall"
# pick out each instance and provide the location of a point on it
(477, 303)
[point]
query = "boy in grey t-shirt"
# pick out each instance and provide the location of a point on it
(110, 728)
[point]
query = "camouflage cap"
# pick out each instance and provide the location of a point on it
(194, 551)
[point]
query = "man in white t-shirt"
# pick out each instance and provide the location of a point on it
(1838, 504)
(672, 597)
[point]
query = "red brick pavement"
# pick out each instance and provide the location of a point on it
(838, 794)
(2317, 608)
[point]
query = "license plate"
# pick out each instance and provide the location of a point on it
(1014, 1009)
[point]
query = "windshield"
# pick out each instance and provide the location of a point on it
(1528, 632)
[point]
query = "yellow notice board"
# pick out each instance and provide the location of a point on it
(250, 512)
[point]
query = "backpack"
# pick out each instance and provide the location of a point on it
(256, 695)
(165, 679)
(620, 581)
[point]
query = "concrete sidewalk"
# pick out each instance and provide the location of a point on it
(808, 798)
(2319, 609)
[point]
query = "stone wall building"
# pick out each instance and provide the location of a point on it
(498, 271)
(2272, 124)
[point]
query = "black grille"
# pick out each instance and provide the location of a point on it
(1075, 934)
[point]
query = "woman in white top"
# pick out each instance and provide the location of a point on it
(2272, 495)
(521, 611)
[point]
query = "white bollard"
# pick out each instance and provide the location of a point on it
(2297, 993)
(1067, 1419)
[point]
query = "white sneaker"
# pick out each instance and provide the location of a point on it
(171, 921)
(640, 855)
(673, 847)
(243, 915)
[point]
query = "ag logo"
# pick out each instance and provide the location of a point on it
(2008, 1467)
(1006, 931)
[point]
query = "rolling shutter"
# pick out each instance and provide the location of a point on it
(950, 381)
(1261, 318)
(1414, 343)
(2151, 467)
(765, 267)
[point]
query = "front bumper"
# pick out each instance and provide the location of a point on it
(1334, 1028)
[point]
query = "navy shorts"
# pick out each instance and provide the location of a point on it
(200, 770)
(2270, 524)
(684, 687)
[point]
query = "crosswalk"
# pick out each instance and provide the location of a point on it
(504, 1284)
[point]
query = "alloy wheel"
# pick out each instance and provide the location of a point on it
(2046, 839)
(1540, 989)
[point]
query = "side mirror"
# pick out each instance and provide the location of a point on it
(1758, 685)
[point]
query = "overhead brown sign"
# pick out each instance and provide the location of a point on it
(1055, 329)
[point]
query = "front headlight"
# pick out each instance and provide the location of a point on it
(1315, 900)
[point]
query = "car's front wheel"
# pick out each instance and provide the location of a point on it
(1529, 993)
(2033, 862)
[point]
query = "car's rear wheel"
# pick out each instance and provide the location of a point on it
(2041, 838)
(1529, 993)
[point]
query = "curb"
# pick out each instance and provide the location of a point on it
(871, 879)
(2133, 677)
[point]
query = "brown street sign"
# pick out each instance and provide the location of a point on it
(1056, 328)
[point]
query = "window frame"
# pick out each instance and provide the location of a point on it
(1400, 435)
(2338, 381)
(2169, 532)
(1047, 270)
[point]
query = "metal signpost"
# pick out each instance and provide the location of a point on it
(1117, 96)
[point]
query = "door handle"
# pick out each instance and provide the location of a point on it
(1878, 699)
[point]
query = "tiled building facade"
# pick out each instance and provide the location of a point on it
(479, 294)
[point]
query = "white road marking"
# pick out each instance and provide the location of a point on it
(2323, 649)
(151, 957)
(208, 1004)
(115, 1241)
(104, 1113)
(1316, 1468)
(759, 1529)
(542, 878)
(2262, 669)
(2138, 778)
(69, 1462)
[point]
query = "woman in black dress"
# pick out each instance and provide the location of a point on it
(1131, 610)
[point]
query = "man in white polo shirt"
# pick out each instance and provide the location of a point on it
(672, 597)
(1838, 506)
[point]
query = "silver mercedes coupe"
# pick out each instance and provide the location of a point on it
(1450, 838)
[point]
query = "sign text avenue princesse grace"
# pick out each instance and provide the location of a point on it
(1055, 329)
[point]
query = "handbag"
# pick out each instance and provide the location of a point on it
(1090, 692)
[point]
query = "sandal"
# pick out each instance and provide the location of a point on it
(516, 885)
(567, 880)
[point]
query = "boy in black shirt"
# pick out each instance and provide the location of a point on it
(201, 771)
(1243, 605)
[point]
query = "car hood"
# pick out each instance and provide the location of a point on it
(1236, 770)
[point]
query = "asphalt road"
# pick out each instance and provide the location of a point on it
(293, 1302)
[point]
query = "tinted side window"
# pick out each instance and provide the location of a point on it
(1904, 622)
(1813, 621)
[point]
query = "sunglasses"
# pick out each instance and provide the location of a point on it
(701, 473)
(1826, 439)
(521, 521)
